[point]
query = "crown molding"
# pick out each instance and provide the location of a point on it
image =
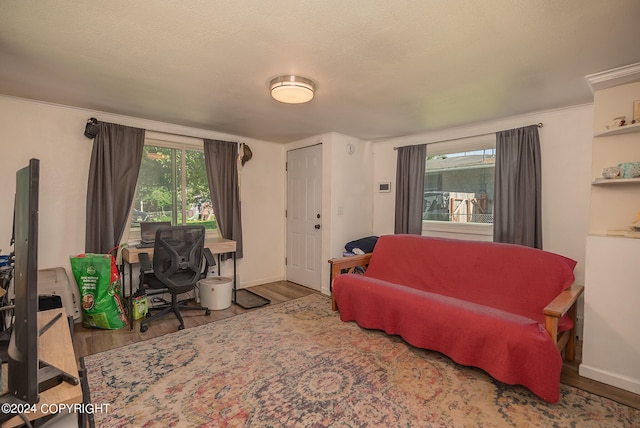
(614, 77)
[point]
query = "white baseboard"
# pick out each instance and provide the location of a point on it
(261, 281)
(613, 379)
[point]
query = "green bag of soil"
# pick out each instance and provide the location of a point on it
(100, 287)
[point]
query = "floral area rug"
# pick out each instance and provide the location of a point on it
(296, 364)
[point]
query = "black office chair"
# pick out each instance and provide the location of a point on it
(180, 260)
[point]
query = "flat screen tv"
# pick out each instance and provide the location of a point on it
(23, 363)
(27, 375)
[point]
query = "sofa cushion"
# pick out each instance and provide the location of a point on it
(513, 278)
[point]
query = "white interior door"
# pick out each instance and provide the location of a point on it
(304, 222)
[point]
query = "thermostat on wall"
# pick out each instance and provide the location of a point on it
(384, 187)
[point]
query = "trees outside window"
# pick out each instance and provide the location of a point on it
(172, 186)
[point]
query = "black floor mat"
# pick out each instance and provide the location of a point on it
(248, 299)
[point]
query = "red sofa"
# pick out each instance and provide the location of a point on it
(506, 309)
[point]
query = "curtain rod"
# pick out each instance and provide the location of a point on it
(539, 125)
(94, 121)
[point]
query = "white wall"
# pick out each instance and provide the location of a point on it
(351, 192)
(565, 139)
(263, 200)
(54, 134)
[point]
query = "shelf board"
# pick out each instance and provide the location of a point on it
(612, 181)
(627, 129)
(616, 234)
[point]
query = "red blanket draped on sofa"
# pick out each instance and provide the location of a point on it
(480, 303)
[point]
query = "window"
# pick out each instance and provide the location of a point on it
(172, 186)
(459, 183)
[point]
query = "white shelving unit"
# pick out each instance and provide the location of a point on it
(627, 129)
(611, 339)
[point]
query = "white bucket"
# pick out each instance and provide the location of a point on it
(215, 292)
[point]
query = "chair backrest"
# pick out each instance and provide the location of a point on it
(178, 255)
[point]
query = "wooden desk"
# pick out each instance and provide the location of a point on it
(56, 348)
(216, 245)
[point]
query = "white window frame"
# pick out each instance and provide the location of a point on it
(458, 146)
(178, 142)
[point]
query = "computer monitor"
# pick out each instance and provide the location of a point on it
(148, 230)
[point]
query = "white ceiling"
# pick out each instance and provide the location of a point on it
(383, 68)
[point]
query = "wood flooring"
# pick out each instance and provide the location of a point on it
(89, 341)
(92, 341)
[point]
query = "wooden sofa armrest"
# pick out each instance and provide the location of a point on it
(565, 302)
(349, 263)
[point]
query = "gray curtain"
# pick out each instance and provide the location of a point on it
(221, 159)
(410, 189)
(518, 188)
(113, 173)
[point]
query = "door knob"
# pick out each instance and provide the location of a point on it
(317, 226)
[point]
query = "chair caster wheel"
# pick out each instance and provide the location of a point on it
(144, 328)
(180, 327)
(207, 312)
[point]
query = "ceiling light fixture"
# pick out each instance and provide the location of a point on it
(292, 89)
